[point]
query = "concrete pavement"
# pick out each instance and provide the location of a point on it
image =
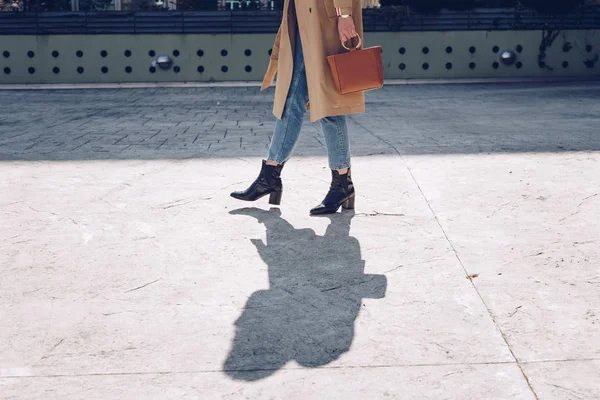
(469, 270)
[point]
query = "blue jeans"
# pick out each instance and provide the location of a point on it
(287, 129)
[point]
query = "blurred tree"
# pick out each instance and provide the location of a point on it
(249, 5)
(552, 7)
(95, 5)
(149, 5)
(434, 6)
(45, 5)
(197, 5)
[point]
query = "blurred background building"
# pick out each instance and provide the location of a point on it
(206, 5)
(231, 40)
(149, 5)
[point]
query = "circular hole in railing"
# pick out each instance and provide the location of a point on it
(402, 67)
(224, 53)
(200, 53)
(128, 69)
(56, 70)
(200, 69)
(248, 68)
(176, 69)
(127, 53)
(7, 71)
(248, 52)
(30, 54)
(402, 50)
(31, 70)
(567, 47)
(519, 49)
(496, 65)
(496, 49)
(565, 64)
(472, 65)
(472, 49)
(425, 50)
(79, 53)
(80, 70)
(55, 54)
(175, 53)
(103, 53)
(104, 70)
(519, 65)
(508, 57)
(425, 66)
(6, 54)
(449, 49)
(224, 68)
(449, 66)
(152, 70)
(588, 48)
(152, 53)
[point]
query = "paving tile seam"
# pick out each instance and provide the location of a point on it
(350, 367)
(466, 272)
(245, 84)
(347, 367)
(567, 360)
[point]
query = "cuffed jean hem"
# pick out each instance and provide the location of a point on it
(339, 166)
(279, 162)
(336, 167)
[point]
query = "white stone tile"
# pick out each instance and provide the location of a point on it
(137, 276)
(527, 224)
(468, 382)
(565, 380)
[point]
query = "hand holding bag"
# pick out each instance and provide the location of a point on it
(357, 70)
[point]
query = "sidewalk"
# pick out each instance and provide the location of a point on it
(469, 270)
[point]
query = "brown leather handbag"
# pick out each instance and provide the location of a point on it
(357, 70)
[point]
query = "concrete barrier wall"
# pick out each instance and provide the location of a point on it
(225, 57)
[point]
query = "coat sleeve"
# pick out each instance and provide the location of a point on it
(273, 63)
(343, 7)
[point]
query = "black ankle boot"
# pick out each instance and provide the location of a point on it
(341, 193)
(268, 182)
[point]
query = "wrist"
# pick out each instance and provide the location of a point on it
(343, 12)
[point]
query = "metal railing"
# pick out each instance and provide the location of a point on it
(489, 19)
(232, 22)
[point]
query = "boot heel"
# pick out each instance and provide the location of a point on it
(275, 198)
(348, 204)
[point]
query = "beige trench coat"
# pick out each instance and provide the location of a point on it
(317, 23)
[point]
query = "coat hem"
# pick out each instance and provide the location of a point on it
(333, 112)
(314, 117)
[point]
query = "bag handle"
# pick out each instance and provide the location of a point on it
(357, 46)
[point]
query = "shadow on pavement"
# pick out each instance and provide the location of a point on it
(316, 287)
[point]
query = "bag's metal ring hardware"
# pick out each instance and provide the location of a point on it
(357, 46)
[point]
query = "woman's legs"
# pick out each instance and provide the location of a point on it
(335, 130)
(341, 191)
(287, 129)
(285, 136)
